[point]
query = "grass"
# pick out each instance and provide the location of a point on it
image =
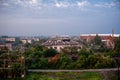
(110, 75)
(64, 76)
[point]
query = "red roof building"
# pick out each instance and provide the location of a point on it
(106, 38)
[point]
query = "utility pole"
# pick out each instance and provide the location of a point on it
(22, 60)
(117, 58)
(9, 65)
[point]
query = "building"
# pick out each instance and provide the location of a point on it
(36, 39)
(30, 40)
(8, 39)
(106, 38)
(59, 43)
(8, 43)
(26, 41)
(8, 46)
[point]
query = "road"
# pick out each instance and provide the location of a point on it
(85, 70)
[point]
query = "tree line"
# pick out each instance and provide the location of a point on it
(96, 56)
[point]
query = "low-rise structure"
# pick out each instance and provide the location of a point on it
(106, 38)
(26, 41)
(9, 39)
(59, 43)
(36, 39)
(9, 46)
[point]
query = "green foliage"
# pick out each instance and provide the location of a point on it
(97, 45)
(63, 62)
(84, 52)
(37, 57)
(91, 61)
(116, 50)
(81, 62)
(70, 50)
(50, 52)
(35, 52)
(97, 40)
(13, 63)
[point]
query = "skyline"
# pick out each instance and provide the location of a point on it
(58, 17)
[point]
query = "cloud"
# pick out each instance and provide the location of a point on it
(33, 2)
(107, 5)
(40, 4)
(62, 4)
(82, 4)
(5, 4)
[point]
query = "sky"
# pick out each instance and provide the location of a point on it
(58, 17)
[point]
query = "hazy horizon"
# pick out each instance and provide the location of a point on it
(59, 17)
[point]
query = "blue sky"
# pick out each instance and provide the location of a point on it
(58, 17)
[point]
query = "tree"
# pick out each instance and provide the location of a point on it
(81, 62)
(84, 52)
(91, 61)
(63, 62)
(50, 52)
(117, 47)
(35, 57)
(35, 52)
(97, 40)
(104, 61)
(98, 45)
(116, 50)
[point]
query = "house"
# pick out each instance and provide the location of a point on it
(9, 46)
(8, 39)
(26, 41)
(36, 39)
(8, 43)
(107, 39)
(59, 43)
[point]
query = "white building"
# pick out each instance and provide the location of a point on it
(36, 39)
(9, 39)
(25, 41)
(61, 42)
(9, 46)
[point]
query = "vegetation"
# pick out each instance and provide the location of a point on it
(110, 75)
(44, 58)
(63, 76)
(94, 55)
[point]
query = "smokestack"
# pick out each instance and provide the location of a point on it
(112, 32)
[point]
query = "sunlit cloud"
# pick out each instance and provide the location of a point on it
(33, 2)
(82, 3)
(107, 5)
(62, 4)
(59, 4)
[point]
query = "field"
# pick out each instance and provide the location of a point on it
(64, 76)
(109, 75)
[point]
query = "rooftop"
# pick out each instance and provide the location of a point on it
(115, 35)
(60, 41)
